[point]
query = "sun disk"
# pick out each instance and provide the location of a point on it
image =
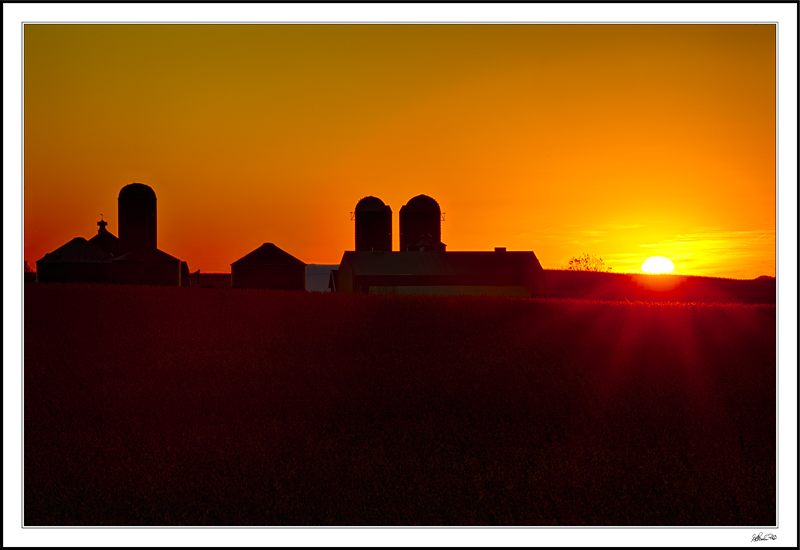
(658, 264)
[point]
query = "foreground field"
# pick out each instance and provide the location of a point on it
(174, 406)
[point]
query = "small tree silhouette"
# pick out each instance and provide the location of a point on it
(585, 262)
(30, 274)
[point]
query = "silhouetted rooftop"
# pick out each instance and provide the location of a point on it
(422, 203)
(442, 263)
(372, 204)
(105, 239)
(137, 191)
(428, 241)
(146, 253)
(78, 250)
(268, 254)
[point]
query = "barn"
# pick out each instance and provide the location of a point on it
(268, 267)
(78, 261)
(146, 265)
(105, 239)
(498, 273)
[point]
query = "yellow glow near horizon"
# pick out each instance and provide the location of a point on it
(533, 137)
(658, 264)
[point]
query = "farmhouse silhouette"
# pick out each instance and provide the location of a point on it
(421, 266)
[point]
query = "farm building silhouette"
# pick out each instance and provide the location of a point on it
(373, 225)
(77, 261)
(268, 267)
(423, 266)
(105, 239)
(133, 258)
(421, 220)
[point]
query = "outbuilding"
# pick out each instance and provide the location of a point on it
(268, 267)
(146, 265)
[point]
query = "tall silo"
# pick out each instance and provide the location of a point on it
(373, 225)
(137, 217)
(420, 217)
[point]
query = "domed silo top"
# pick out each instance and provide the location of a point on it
(137, 191)
(371, 204)
(422, 203)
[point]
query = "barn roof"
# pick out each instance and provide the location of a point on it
(105, 240)
(146, 253)
(427, 241)
(440, 263)
(268, 254)
(78, 250)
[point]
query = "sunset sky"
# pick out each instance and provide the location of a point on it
(623, 141)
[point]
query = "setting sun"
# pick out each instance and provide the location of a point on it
(323, 115)
(658, 264)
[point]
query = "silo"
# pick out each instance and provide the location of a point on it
(373, 225)
(137, 217)
(419, 218)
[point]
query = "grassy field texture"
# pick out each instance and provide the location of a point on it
(173, 406)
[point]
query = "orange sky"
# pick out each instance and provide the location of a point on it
(624, 141)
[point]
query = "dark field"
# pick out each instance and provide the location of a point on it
(636, 287)
(203, 406)
(582, 285)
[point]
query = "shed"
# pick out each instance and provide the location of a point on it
(497, 273)
(77, 261)
(146, 265)
(268, 267)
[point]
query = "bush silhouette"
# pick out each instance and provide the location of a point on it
(586, 262)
